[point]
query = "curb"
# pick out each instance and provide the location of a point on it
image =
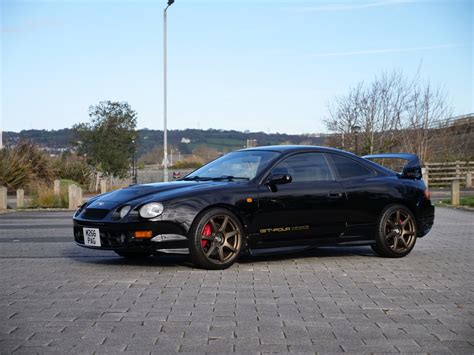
(35, 210)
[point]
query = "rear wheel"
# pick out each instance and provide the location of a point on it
(396, 234)
(216, 239)
(132, 254)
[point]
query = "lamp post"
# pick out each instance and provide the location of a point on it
(165, 95)
(134, 163)
(356, 130)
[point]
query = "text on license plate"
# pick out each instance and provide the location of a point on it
(91, 237)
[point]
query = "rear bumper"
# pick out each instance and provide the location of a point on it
(426, 219)
(120, 236)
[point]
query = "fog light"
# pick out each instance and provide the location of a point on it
(143, 234)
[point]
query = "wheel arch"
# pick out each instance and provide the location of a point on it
(228, 207)
(403, 203)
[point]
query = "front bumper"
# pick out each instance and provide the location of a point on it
(166, 236)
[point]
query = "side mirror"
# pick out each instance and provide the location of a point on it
(279, 179)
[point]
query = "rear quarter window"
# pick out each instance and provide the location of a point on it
(347, 168)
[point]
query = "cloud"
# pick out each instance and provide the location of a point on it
(383, 50)
(352, 5)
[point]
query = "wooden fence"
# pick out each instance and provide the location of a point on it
(442, 174)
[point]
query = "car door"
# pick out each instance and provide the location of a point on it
(307, 207)
(366, 193)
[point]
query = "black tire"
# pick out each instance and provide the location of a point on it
(396, 232)
(216, 239)
(132, 254)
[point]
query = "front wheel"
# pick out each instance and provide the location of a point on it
(396, 233)
(216, 239)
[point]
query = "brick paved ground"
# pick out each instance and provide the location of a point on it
(57, 298)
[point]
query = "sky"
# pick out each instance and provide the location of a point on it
(258, 65)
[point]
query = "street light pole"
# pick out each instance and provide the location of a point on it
(165, 95)
(356, 130)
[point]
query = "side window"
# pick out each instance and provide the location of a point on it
(348, 168)
(305, 167)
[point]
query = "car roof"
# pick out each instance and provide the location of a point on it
(286, 149)
(297, 148)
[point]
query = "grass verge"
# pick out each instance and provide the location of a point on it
(467, 201)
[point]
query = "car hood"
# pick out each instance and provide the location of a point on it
(159, 190)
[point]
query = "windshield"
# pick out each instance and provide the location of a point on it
(243, 165)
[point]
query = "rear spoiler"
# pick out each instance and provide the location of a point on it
(411, 170)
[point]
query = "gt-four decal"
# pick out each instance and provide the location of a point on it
(283, 229)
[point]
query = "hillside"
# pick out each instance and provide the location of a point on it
(220, 140)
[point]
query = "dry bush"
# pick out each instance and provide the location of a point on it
(155, 156)
(187, 164)
(43, 196)
(73, 169)
(38, 162)
(23, 164)
(14, 170)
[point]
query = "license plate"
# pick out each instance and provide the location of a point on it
(92, 237)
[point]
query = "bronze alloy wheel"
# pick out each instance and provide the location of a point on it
(220, 238)
(400, 231)
(216, 239)
(397, 232)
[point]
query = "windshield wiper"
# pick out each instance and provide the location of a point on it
(197, 178)
(219, 178)
(229, 177)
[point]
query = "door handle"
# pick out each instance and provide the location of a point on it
(335, 194)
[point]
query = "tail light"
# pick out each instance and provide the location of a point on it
(427, 194)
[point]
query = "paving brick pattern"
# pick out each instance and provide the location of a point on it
(58, 298)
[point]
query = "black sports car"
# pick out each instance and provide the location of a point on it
(262, 200)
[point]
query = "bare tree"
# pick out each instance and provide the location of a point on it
(344, 116)
(425, 106)
(392, 113)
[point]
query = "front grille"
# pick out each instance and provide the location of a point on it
(95, 213)
(113, 239)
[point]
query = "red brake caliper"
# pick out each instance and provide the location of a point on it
(206, 232)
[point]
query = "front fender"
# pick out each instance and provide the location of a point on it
(185, 212)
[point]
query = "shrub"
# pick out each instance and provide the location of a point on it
(14, 170)
(38, 162)
(187, 164)
(43, 196)
(152, 157)
(24, 164)
(75, 170)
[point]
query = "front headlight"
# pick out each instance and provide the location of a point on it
(124, 211)
(151, 210)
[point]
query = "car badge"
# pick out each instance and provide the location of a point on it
(100, 203)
